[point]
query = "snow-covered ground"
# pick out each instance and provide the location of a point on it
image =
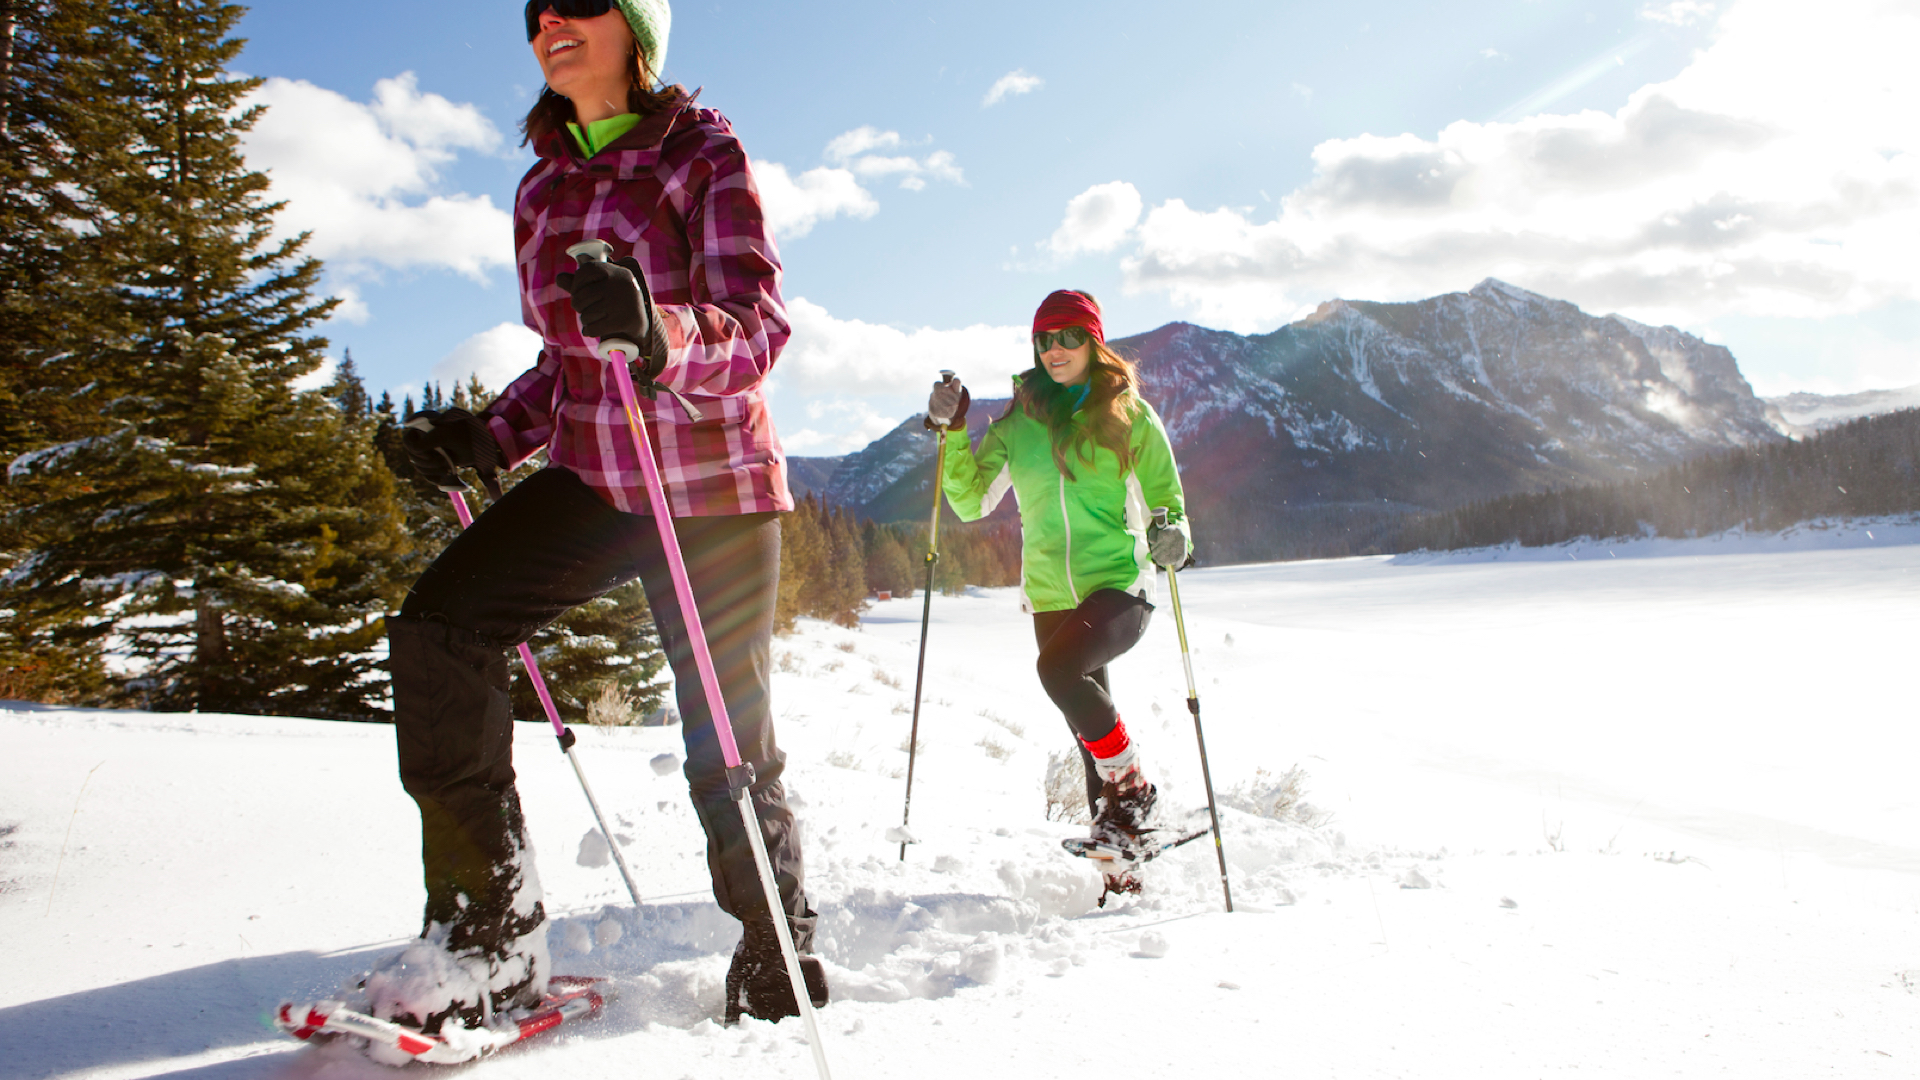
(1582, 810)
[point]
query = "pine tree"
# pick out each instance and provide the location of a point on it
(237, 535)
(803, 554)
(889, 568)
(844, 583)
(611, 640)
(50, 298)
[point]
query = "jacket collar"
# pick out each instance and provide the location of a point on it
(629, 155)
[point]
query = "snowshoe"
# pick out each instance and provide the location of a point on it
(569, 999)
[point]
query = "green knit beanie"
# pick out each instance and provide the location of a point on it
(650, 21)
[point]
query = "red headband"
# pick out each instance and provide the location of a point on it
(1065, 308)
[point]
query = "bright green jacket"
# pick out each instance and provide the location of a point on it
(1078, 535)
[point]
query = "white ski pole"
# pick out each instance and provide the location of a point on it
(561, 732)
(739, 773)
(1193, 706)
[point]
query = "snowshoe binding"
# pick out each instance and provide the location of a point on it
(569, 999)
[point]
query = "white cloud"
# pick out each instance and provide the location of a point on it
(1098, 219)
(828, 354)
(430, 122)
(835, 427)
(1009, 85)
(353, 307)
(795, 204)
(364, 178)
(1727, 189)
(855, 150)
(318, 377)
(1677, 12)
(841, 383)
(498, 356)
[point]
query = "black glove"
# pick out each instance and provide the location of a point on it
(1167, 546)
(441, 442)
(612, 301)
(947, 406)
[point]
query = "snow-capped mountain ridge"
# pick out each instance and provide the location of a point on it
(1424, 404)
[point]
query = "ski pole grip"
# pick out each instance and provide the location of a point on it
(946, 376)
(587, 251)
(593, 251)
(1160, 516)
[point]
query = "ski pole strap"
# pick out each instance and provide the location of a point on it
(651, 390)
(739, 778)
(490, 479)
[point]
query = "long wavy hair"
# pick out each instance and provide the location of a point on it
(552, 112)
(1111, 402)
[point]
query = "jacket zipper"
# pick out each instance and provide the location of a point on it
(1066, 528)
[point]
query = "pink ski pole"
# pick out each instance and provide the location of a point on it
(739, 774)
(560, 731)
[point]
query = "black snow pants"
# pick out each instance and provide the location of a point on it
(1075, 647)
(549, 545)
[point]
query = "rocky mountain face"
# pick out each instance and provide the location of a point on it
(892, 479)
(1363, 411)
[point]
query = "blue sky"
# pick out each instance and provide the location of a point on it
(1738, 169)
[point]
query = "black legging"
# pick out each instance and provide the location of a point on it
(549, 545)
(1075, 647)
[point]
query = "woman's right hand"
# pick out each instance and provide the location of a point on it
(947, 405)
(440, 442)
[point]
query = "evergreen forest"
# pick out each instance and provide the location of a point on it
(187, 522)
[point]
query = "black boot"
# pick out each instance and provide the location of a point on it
(757, 980)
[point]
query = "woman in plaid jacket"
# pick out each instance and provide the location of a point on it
(697, 285)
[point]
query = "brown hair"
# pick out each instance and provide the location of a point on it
(1111, 401)
(551, 112)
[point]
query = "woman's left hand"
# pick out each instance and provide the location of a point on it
(608, 298)
(1167, 546)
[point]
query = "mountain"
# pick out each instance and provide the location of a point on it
(1818, 412)
(1330, 428)
(892, 479)
(807, 475)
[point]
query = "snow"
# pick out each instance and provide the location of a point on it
(1646, 809)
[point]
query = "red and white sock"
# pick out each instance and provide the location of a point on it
(1114, 755)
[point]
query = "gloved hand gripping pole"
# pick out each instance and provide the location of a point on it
(1193, 706)
(617, 353)
(560, 730)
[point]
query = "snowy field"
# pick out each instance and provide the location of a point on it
(1626, 809)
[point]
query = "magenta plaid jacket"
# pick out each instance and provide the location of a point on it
(677, 194)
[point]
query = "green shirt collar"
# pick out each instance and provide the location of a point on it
(601, 132)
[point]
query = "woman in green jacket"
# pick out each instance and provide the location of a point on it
(1088, 459)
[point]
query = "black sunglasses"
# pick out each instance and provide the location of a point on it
(1070, 338)
(566, 9)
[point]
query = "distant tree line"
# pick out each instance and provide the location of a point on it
(832, 563)
(1864, 468)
